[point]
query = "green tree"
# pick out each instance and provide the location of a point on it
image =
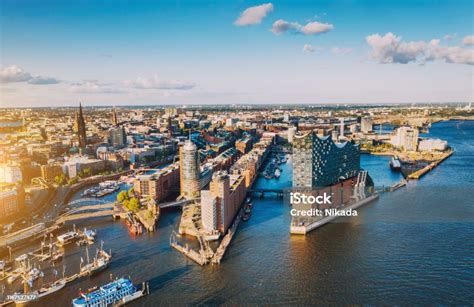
(72, 180)
(122, 196)
(134, 204)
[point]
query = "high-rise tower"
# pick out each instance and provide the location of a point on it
(189, 170)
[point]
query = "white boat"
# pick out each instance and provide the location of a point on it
(277, 173)
(67, 238)
(89, 234)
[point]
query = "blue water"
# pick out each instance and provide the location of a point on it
(412, 246)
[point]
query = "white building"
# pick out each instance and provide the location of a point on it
(405, 138)
(366, 124)
(208, 210)
(432, 145)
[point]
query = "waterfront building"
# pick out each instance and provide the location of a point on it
(432, 145)
(244, 145)
(220, 204)
(189, 170)
(321, 162)
(76, 164)
(158, 185)
(405, 138)
(366, 124)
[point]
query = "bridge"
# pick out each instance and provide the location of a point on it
(98, 209)
(177, 203)
(261, 192)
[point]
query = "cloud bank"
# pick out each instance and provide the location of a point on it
(14, 74)
(254, 15)
(390, 48)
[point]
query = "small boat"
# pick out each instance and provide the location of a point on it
(116, 293)
(246, 217)
(277, 173)
(89, 235)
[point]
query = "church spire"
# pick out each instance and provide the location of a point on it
(81, 127)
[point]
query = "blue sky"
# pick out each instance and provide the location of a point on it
(195, 52)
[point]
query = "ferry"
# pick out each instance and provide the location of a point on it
(115, 293)
(67, 238)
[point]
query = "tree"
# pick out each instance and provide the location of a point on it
(60, 179)
(134, 204)
(122, 196)
(73, 180)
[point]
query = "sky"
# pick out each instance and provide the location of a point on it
(57, 53)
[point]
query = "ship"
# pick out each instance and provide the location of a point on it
(100, 262)
(116, 293)
(44, 291)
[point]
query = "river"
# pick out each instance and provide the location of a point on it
(415, 245)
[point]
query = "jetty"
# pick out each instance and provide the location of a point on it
(421, 172)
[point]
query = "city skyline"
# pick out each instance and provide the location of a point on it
(250, 52)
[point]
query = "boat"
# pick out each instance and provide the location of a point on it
(246, 217)
(395, 164)
(277, 173)
(89, 235)
(116, 293)
(100, 262)
(67, 238)
(44, 291)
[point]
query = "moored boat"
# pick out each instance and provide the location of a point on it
(116, 293)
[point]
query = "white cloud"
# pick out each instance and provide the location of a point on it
(254, 15)
(94, 87)
(155, 83)
(468, 40)
(308, 48)
(311, 28)
(14, 73)
(342, 51)
(391, 49)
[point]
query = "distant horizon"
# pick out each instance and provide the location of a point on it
(85, 105)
